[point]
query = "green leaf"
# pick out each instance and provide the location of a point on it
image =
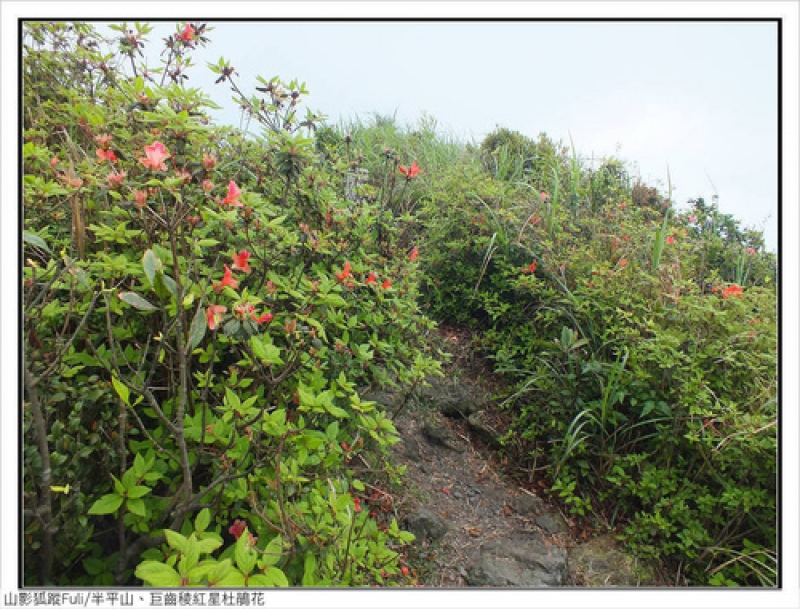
(276, 577)
(136, 506)
(176, 540)
(266, 352)
(151, 264)
(35, 240)
(197, 331)
(136, 301)
(244, 555)
(203, 520)
(222, 569)
(107, 504)
(208, 545)
(122, 391)
(310, 570)
(138, 491)
(165, 285)
(158, 574)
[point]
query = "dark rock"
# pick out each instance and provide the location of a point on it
(479, 424)
(453, 398)
(436, 431)
(519, 562)
(601, 563)
(552, 523)
(528, 505)
(426, 524)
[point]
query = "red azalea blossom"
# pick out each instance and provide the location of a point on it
(140, 198)
(115, 179)
(233, 195)
(104, 140)
(404, 570)
(414, 254)
(623, 262)
(410, 172)
(237, 528)
(345, 273)
(732, 291)
(240, 261)
(750, 251)
(692, 219)
(543, 196)
(265, 318)
(106, 155)
(207, 186)
(209, 161)
(227, 280)
(531, 268)
(357, 502)
(188, 33)
(623, 204)
(670, 240)
(155, 155)
(371, 280)
(387, 284)
(214, 315)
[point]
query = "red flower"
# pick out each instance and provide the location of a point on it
(265, 318)
(106, 155)
(155, 155)
(410, 172)
(214, 315)
(670, 240)
(357, 502)
(732, 291)
(623, 262)
(115, 179)
(188, 33)
(240, 261)
(623, 204)
(104, 140)
(345, 273)
(750, 251)
(387, 284)
(140, 198)
(207, 186)
(233, 195)
(209, 161)
(692, 219)
(227, 280)
(371, 280)
(531, 268)
(237, 528)
(414, 254)
(404, 570)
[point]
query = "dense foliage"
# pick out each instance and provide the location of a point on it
(204, 308)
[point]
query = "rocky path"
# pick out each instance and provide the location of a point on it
(473, 526)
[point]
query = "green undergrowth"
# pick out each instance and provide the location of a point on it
(204, 309)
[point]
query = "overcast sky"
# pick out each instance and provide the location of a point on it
(699, 98)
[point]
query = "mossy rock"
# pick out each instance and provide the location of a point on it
(600, 563)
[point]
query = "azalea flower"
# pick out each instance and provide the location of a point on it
(410, 172)
(104, 140)
(670, 240)
(214, 315)
(237, 528)
(106, 155)
(227, 280)
(750, 251)
(543, 196)
(387, 284)
(140, 198)
(623, 262)
(233, 195)
(265, 318)
(209, 161)
(188, 33)
(371, 280)
(240, 261)
(207, 186)
(115, 179)
(732, 291)
(155, 155)
(531, 268)
(414, 253)
(345, 273)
